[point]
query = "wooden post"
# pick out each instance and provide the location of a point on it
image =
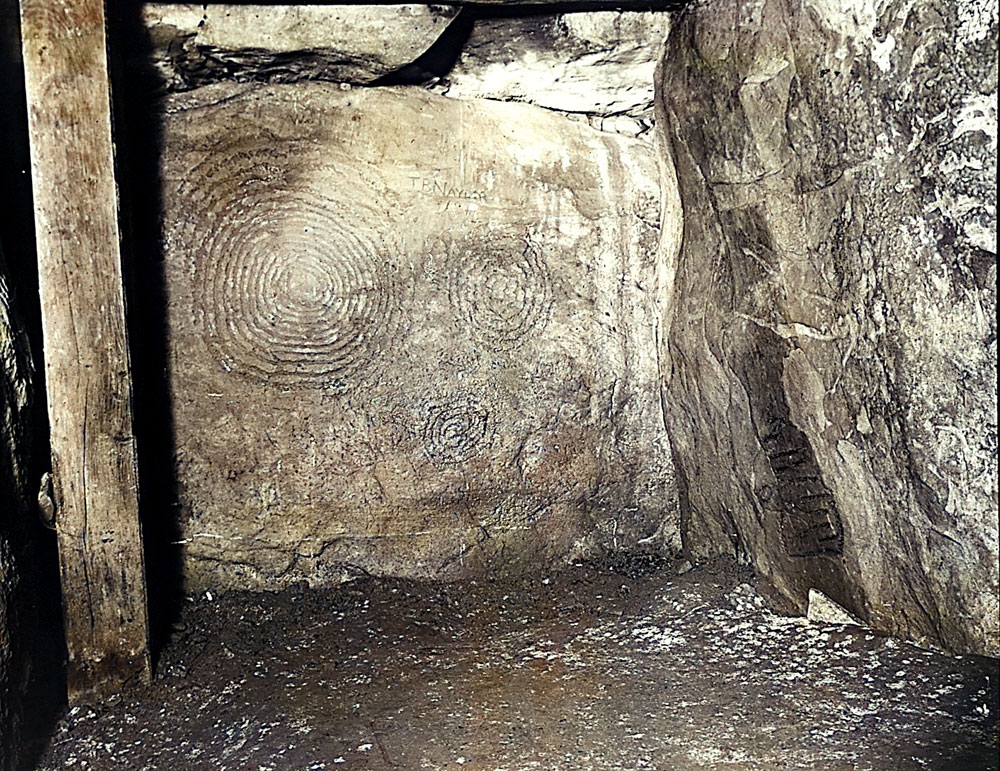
(87, 369)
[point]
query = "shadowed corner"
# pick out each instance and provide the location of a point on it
(138, 144)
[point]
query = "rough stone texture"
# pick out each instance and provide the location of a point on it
(14, 402)
(831, 359)
(598, 65)
(193, 45)
(409, 335)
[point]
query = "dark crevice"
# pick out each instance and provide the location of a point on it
(36, 632)
(438, 60)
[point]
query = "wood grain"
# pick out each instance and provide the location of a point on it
(87, 365)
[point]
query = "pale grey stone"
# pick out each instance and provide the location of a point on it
(599, 65)
(822, 610)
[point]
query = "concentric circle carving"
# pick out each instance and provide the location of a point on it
(456, 430)
(292, 286)
(503, 291)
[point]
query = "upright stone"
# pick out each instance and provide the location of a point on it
(832, 348)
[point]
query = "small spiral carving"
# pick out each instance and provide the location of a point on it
(291, 285)
(504, 294)
(456, 430)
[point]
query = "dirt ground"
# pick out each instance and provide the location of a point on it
(620, 667)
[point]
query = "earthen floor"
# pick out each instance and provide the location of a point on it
(585, 668)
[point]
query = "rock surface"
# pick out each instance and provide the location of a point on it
(409, 335)
(193, 45)
(831, 355)
(598, 65)
(822, 610)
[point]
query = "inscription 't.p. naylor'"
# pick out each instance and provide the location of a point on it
(439, 186)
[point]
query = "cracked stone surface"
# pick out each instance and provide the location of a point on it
(832, 353)
(409, 334)
(597, 66)
(584, 669)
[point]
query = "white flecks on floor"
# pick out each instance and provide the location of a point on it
(591, 668)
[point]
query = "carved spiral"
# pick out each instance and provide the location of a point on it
(456, 430)
(292, 286)
(505, 294)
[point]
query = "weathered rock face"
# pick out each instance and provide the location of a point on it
(599, 66)
(193, 45)
(831, 357)
(14, 643)
(409, 334)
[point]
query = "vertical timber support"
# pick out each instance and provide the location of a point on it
(87, 368)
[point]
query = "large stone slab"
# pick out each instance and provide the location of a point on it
(832, 346)
(409, 335)
(193, 45)
(597, 65)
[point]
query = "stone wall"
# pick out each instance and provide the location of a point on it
(831, 356)
(825, 339)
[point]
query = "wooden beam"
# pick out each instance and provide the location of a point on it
(87, 369)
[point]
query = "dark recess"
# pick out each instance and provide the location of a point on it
(137, 146)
